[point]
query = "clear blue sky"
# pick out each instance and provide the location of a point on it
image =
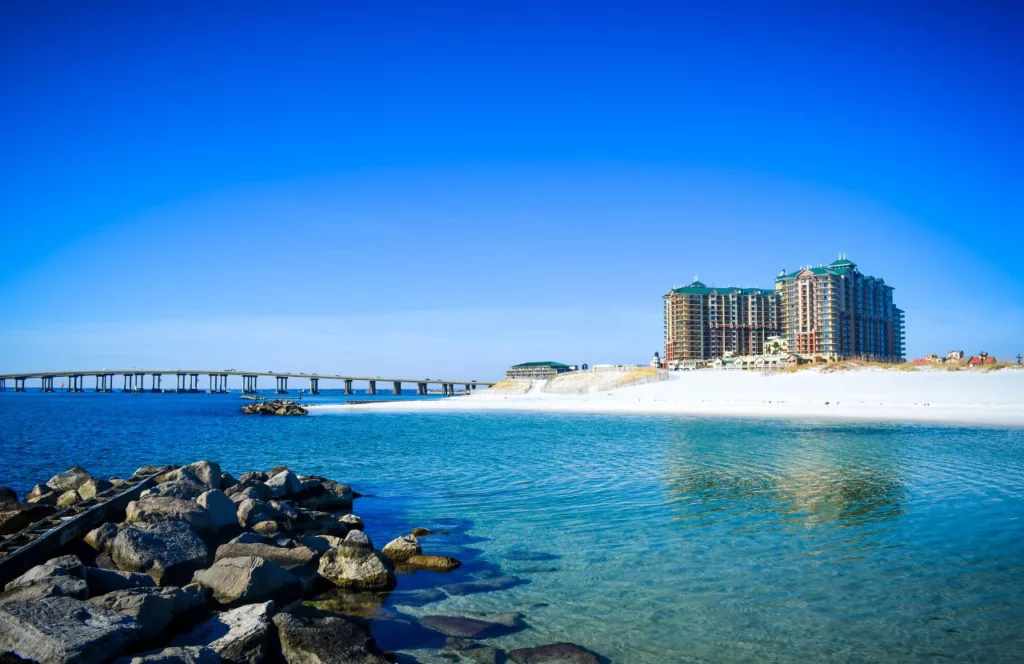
(447, 188)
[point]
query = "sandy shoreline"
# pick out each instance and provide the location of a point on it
(964, 397)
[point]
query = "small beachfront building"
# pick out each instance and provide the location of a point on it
(537, 370)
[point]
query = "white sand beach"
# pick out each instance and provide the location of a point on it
(993, 398)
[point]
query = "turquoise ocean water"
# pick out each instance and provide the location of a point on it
(643, 538)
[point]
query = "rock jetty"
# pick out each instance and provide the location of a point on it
(274, 407)
(202, 568)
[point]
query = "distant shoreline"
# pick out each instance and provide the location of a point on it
(974, 398)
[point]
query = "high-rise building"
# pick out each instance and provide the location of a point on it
(703, 323)
(834, 311)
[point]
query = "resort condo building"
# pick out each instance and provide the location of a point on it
(834, 311)
(704, 323)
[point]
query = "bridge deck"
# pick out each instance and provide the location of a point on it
(233, 372)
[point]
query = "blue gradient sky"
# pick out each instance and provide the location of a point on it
(448, 188)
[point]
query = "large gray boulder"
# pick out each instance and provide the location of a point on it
(222, 511)
(102, 538)
(356, 567)
(248, 579)
(64, 566)
(554, 653)
(41, 493)
(69, 480)
(17, 516)
(169, 552)
(154, 608)
(60, 577)
(68, 498)
(92, 488)
(328, 639)
(289, 559)
(257, 492)
(160, 509)
(201, 472)
(8, 495)
(62, 630)
(251, 512)
(102, 581)
(402, 548)
(239, 636)
(284, 484)
(186, 489)
(321, 543)
(359, 538)
(322, 493)
(174, 655)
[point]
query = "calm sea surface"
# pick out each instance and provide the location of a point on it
(643, 538)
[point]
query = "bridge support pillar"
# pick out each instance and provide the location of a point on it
(249, 384)
(421, 389)
(193, 383)
(473, 386)
(46, 384)
(3, 384)
(19, 384)
(282, 384)
(314, 386)
(223, 383)
(371, 387)
(348, 386)
(140, 379)
(179, 383)
(396, 388)
(155, 380)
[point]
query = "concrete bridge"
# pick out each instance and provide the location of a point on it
(188, 381)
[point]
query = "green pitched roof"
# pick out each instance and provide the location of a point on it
(553, 365)
(697, 288)
(844, 262)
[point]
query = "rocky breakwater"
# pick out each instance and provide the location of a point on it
(274, 407)
(204, 567)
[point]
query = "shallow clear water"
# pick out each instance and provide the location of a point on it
(644, 538)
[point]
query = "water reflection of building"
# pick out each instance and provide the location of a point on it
(814, 486)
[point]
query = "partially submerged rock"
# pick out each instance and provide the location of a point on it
(474, 628)
(327, 639)
(274, 407)
(65, 630)
(402, 548)
(239, 636)
(435, 563)
(357, 567)
(554, 653)
(169, 552)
